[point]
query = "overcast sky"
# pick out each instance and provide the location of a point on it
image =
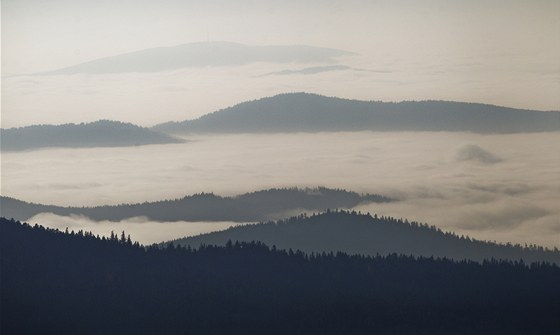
(500, 52)
(41, 35)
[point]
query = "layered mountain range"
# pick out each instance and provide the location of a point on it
(254, 206)
(289, 113)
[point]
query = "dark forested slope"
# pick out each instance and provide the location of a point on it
(254, 206)
(102, 133)
(302, 112)
(355, 233)
(57, 283)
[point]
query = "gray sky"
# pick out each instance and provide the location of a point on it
(500, 52)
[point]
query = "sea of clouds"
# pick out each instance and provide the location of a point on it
(492, 187)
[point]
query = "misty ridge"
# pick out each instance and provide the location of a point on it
(471, 152)
(254, 206)
(201, 54)
(79, 283)
(363, 234)
(295, 112)
(304, 112)
(103, 133)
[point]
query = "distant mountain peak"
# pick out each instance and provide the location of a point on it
(201, 54)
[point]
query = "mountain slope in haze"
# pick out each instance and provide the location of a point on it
(201, 54)
(102, 133)
(361, 234)
(255, 206)
(76, 283)
(303, 112)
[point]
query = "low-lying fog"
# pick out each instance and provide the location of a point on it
(493, 187)
(139, 229)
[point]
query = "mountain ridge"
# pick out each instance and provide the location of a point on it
(364, 234)
(102, 133)
(306, 112)
(79, 283)
(252, 206)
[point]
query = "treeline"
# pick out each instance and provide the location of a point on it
(364, 234)
(256, 206)
(54, 282)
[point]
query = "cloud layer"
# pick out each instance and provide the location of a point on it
(511, 201)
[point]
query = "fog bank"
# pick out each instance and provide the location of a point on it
(141, 230)
(514, 199)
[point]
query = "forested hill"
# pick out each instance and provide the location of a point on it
(58, 283)
(254, 206)
(355, 233)
(102, 133)
(302, 112)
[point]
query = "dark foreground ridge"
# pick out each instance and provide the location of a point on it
(75, 283)
(254, 206)
(303, 112)
(363, 234)
(102, 133)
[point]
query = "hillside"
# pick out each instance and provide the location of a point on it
(102, 133)
(75, 283)
(302, 112)
(255, 206)
(362, 234)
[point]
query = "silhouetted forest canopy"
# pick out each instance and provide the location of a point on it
(102, 133)
(254, 206)
(364, 234)
(304, 112)
(56, 282)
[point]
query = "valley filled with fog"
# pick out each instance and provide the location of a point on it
(280, 167)
(490, 187)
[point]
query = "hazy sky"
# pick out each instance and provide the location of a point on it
(501, 52)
